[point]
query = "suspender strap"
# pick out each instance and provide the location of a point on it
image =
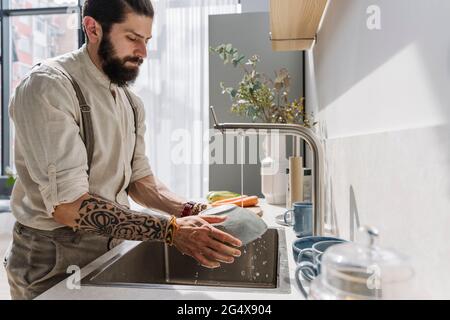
(88, 129)
(135, 113)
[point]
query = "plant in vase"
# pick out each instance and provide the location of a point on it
(261, 98)
(257, 96)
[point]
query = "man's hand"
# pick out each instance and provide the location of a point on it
(206, 244)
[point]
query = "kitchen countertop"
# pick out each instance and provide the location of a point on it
(61, 292)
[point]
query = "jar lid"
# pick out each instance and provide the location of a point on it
(363, 268)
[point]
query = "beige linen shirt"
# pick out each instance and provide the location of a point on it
(50, 156)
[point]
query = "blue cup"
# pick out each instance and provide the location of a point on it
(317, 249)
(310, 270)
(310, 267)
(307, 242)
(300, 218)
(308, 253)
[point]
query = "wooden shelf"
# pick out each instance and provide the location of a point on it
(294, 23)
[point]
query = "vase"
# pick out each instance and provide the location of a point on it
(273, 169)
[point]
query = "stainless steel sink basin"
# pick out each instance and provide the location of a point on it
(262, 266)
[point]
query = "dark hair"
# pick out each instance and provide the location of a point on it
(109, 12)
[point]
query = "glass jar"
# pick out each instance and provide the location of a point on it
(362, 271)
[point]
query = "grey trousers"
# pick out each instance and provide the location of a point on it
(39, 259)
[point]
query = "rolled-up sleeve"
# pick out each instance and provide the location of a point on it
(140, 165)
(44, 112)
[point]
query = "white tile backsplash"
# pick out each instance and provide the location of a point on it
(382, 99)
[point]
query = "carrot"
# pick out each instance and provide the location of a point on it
(229, 200)
(242, 202)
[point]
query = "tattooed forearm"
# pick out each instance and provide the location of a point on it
(104, 217)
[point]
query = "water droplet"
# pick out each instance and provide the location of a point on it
(243, 273)
(257, 274)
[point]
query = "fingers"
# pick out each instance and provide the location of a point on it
(204, 223)
(208, 236)
(197, 255)
(225, 237)
(214, 219)
(223, 249)
(217, 256)
(205, 262)
(206, 244)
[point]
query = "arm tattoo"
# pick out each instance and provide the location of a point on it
(104, 217)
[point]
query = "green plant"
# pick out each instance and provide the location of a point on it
(259, 97)
(11, 177)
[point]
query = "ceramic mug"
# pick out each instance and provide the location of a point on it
(316, 249)
(310, 270)
(307, 242)
(300, 217)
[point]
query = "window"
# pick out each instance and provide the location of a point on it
(25, 20)
(40, 25)
(31, 31)
(33, 4)
(23, 45)
(33, 47)
(40, 52)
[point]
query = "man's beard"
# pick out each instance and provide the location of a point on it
(114, 67)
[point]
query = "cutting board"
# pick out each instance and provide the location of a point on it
(222, 209)
(257, 210)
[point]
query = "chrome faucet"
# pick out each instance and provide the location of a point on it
(318, 166)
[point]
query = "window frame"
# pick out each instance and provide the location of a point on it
(6, 13)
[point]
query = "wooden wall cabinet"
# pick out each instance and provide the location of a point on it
(294, 23)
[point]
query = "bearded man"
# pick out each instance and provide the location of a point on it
(79, 155)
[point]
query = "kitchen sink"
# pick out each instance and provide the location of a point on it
(263, 265)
